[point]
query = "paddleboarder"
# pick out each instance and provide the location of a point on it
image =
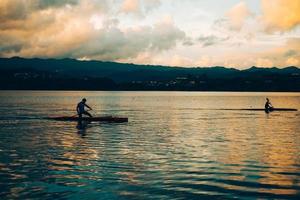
(268, 105)
(81, 108)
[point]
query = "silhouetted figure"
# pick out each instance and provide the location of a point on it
(80, 108)
(268, 106)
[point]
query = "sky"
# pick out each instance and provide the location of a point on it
(188, 33)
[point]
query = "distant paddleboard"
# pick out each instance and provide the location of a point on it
(91, 119)
(262, 109)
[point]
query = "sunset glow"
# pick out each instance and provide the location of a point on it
(229, 33)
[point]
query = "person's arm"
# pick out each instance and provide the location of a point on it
(88, 107)
(270, 105)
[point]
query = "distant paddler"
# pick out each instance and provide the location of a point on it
(268, 106)
(81, 108)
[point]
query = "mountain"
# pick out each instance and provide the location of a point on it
(287, 70)
(119, 72)
(21, 73)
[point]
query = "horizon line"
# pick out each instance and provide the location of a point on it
(154, 65)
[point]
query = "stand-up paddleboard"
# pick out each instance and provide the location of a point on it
(91, 119)
(262, 109)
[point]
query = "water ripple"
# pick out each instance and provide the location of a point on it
(172, 148)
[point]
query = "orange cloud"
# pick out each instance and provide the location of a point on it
(76, 31)
(292, 61)
(282, 56)
(131, 6)
(139, 7)
(280, 15)
(237, 15)
(264, 62)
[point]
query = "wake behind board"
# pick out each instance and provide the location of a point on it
(91, 119)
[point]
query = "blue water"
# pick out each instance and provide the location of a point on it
(176, 145)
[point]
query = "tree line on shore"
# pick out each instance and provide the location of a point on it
(69, 74)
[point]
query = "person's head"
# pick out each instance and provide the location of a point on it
(267, 99)
(84, 100)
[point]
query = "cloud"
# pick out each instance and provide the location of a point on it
(139, 7)
(291, 53)
(20, 9)
(149, 5)
(286, 54)
(211, 40)
(116, 44)
(164, 34)
(30, 14)
(131, 6)
(205, 61)
(11, 9)
(188, 41)
(280, 15)
(292, 61)
(238, 25)
(43, 26)
(81, 30)
(276, 15)
(264, 62)
(54, 3)
(237, 16)
(137, 31)
(174, 60)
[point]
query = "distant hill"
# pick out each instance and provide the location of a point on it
(21, 73)
(119, 72)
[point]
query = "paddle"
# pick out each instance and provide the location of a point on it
(74, 115)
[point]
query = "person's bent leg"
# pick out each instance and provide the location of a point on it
(88, 114)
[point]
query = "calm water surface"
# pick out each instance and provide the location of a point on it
(176, 145)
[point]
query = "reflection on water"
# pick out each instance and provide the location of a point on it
(174, 146)
(81, 127)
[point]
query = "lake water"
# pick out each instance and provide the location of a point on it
(176, 145)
